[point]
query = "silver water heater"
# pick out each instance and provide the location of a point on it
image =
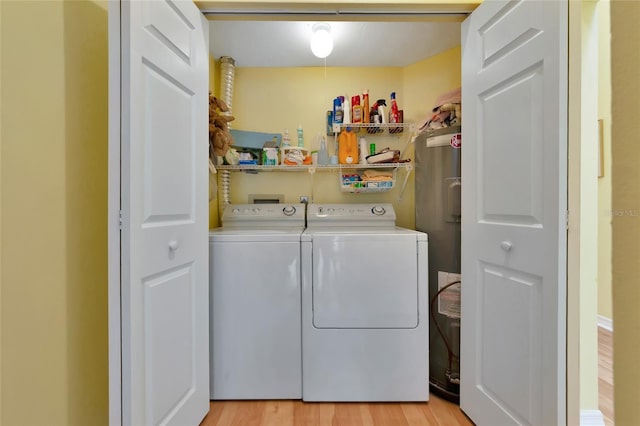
(437, 200)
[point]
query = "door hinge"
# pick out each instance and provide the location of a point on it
(567, 220)
(120, 220)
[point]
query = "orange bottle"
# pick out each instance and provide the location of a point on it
(347, 147)
(365, 106)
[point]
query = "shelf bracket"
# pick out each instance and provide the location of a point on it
(408, 169)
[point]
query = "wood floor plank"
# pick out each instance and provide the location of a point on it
(327, 413)
(213, 416)
(277, 413)
(441, 412)
(347, 414)
(367, 418)
(415, 415)
(605, 375)
(427, 412)
(437, 412)
(387, 414)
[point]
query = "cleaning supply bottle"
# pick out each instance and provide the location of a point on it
(323, 155)
(374, 118)
(394, 115)
(286, 139)
(365, 106)
(300, 137)
(382, 110)
(346, 110)
(356, 109)
(347, 148)
(364, 151)
(337, 111)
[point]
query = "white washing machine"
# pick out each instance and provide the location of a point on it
(255, 307)
(364, 306)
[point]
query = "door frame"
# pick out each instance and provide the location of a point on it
(582, 330)
(578, 183)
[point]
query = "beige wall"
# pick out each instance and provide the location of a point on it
(604, 182)
(274, 99)
(53, 211)
(625, 61)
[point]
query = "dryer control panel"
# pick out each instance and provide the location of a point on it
(354, 215)
(263, 214)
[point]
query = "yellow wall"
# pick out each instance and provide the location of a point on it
(53, 212)
(625, 61)
(274, 99)
(426, 79)
(604, 183)
(214, 88)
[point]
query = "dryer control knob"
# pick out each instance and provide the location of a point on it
(378, 210)
(289, 210)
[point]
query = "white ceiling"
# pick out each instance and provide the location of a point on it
(364, 44)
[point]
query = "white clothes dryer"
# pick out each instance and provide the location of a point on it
(365, 304)
(255, 307)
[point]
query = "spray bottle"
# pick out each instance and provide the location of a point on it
(300, 137)
(346, 110)
(394, 115)
(286, 139)
(323, 156)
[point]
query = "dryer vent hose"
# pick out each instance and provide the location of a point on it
(225, 176)
(227, 71)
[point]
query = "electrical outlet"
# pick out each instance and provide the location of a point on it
(304, 199)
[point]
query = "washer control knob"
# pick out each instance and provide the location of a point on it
(378, 210)
(289, 210)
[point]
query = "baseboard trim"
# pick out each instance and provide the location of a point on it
(591, 418)
(606, 323)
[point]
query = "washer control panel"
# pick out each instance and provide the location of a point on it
(381, 214)
(261, 214)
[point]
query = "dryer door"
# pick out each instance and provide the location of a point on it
(365, 281)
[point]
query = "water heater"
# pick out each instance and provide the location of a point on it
(437, 201)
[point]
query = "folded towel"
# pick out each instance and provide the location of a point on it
(377, 175)
(452, 97)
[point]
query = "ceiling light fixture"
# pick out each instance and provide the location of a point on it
(321, 40)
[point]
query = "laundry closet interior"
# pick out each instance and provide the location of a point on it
(273, 85)
(270, 97)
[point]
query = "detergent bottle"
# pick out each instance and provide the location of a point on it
(347, 147)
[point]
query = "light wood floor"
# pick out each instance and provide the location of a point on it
(437, 412)
(605, 375)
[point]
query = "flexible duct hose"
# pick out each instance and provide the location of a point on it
(225, 177)
(228, 71)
